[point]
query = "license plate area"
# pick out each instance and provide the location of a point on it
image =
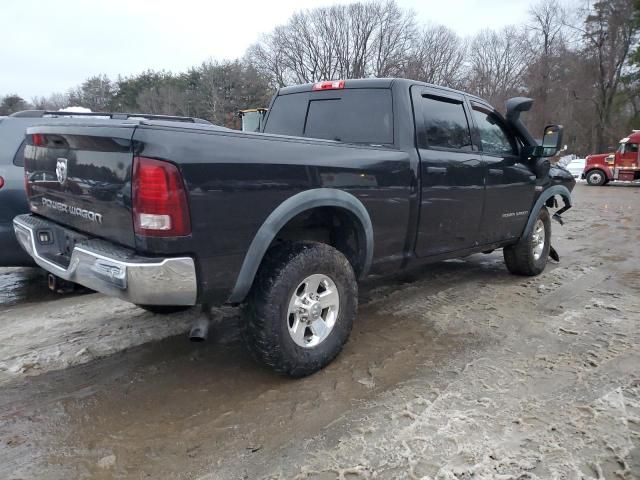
(56, 244)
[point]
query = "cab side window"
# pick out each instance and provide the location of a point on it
(494, 137)
(631, 148)
(445, 124)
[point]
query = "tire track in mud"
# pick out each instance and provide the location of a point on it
(535, 411)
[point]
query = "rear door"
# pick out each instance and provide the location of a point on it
(452, 173)
(80, 176)
(510, 184)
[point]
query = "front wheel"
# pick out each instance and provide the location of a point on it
(529, 256)
(596, 178)
(301, 308)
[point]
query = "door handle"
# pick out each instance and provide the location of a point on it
(436, 169)
(496, 172)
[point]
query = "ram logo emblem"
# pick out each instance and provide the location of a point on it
(61, 170)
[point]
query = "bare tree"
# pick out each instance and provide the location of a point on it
(497, 61)
(341, 41)
(396, 33)
(610, 29)
(55, 101)
(438, 57)
(545, 28)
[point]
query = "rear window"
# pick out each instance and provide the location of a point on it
(351, 115)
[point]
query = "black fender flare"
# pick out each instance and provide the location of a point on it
(319, 197)
(542, 200)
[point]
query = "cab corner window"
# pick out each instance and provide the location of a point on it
(494, 138)
(445, 124)
(18, 159)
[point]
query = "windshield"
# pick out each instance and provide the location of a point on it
(627, 147)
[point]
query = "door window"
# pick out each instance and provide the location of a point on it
(445, 124)
(494, 137)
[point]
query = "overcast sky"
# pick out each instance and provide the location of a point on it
(51, 46)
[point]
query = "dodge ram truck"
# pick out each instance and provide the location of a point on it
(347, 179)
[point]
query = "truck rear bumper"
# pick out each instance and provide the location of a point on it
(107, 268)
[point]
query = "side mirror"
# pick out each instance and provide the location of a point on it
(552, 140)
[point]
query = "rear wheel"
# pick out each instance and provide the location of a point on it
(529, 256)
(301, 308)
(596, 178)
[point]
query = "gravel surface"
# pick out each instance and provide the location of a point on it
(454, 371)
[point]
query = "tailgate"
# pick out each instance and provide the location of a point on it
(80, 176)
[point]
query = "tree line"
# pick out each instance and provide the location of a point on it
(581, 64)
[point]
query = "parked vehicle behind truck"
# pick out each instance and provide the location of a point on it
(622, 165)
(348, 178)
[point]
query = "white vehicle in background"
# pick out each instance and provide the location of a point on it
(576, 167)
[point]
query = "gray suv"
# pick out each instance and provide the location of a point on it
(13, 200)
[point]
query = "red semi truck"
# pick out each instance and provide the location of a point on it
(623, 165)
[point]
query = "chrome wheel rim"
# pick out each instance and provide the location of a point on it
(538, 239)
(595, 178)
(313, 310)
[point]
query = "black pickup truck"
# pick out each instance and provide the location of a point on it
(347, 179)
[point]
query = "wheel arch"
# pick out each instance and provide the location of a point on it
(543, 199)
(287, 211)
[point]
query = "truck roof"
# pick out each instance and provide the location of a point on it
(376, 83)
(634, 137)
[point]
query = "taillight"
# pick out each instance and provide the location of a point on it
(330, 85)
(1, 182)
(37, 139)
(159, 199)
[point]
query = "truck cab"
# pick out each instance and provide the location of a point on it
(622, 165)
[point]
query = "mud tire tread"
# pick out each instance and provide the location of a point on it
(519, 257)
(265, 331)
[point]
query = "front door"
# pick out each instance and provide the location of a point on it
(452, 173)
(627, 158)
(510, 184)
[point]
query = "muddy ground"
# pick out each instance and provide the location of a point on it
(455, 371)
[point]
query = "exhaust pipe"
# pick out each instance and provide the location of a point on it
(58, 285)
(200, 329)
(52, 282)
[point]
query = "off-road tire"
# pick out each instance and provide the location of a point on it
(164, 309)
(266, 329)
(520, 259)
(596, 178)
